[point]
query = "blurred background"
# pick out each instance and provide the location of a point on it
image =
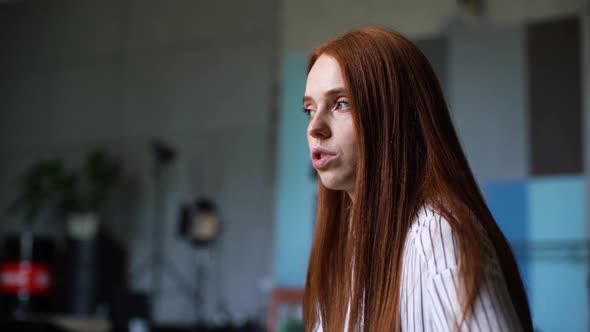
(154, 170)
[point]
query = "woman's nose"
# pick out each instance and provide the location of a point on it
(318, 128)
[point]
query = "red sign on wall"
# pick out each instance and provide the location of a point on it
(26, 277)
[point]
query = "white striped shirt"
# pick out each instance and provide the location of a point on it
(429, 288)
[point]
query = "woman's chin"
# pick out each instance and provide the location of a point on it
(335, 183)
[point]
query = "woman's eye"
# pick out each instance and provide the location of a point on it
(342, 105)
(308, 112)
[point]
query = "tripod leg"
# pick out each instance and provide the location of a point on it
(183, 284)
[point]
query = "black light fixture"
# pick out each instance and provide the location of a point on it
(164, 154)
(199, 222)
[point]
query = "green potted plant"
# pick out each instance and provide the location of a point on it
(41, 186)
(78, 196)
(85, 192)
(28, 258)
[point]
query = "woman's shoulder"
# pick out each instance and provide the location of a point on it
(432, 239)
(437, 243)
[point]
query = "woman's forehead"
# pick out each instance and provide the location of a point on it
(325, 77)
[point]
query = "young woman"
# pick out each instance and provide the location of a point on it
(404, 239)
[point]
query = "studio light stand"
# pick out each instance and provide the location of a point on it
(157, 264)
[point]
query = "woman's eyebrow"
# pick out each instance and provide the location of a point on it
(331, 92)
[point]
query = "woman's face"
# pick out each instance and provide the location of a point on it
(330, 133)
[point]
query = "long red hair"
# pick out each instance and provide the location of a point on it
(409, 155)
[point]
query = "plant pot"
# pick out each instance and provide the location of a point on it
(82, 226)
(80, 265)
(27, 274)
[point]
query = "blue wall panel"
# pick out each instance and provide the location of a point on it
(508, 201)
(296, 189)
(559, 282)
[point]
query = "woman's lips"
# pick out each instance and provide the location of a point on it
(321, 157)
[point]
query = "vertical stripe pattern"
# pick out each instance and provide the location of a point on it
(430, 283)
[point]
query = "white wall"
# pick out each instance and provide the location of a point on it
(518, 11)
(197, 74)
(487, 97)
(306, 23)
